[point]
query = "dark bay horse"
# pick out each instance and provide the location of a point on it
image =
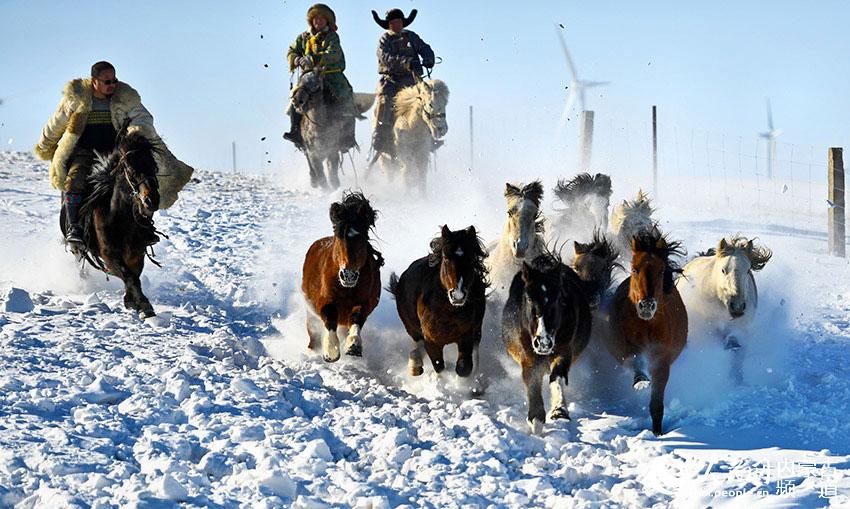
(594, 264)
(545, 326)
(648, 318)
(341, 279)
(440, 300)
(117, 215)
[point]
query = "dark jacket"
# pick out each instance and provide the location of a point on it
(399, 54)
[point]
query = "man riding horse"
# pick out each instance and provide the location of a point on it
(319, 49)
(399, 54)
(86, 124)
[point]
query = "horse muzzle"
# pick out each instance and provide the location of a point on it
(349, 278)
(737, 310)
(647, 308)
(543, 344)
(519, 248)
(457, 297)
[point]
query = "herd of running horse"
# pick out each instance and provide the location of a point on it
(547, 311)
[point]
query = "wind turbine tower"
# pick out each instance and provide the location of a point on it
(770, 137)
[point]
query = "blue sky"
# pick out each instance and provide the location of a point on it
(199, 66)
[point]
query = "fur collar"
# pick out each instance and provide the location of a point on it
(78, 92)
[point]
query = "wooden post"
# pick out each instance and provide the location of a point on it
(471, 142)
(836, 202)
(654, 153)
(586, 139)
(233, 147)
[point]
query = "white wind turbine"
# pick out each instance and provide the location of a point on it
(577, 86)
(771, 135)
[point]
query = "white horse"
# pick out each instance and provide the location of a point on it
(719, 285)
(521, 239)
(585, 201)
(629, 219)
(420, 121)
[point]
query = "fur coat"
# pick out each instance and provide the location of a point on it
(63, 130)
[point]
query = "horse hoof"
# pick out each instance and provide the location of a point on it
(147, 313)
(641, 384)
(657, 431)
(477, 392)
(559, 413)
(463, 368)
(732, 344)
(535, 426)
(355, 350)
(416, 370)
(328, 358)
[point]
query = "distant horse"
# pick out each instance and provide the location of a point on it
(631, 218)
(322, 127)
(117, 215)
(440, 300)
(420, 121)
(522, 237)
(594, 264)
(720, 283)
(585, 201)
(545, 326)
(341, 279)
(648, 318)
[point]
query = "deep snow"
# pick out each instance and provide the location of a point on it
(215, 402)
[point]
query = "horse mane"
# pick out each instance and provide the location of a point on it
(105, 168)
(532, 191)
(653, 242)
(474, 247)
(409, 100)
(355, 211)
(548, 260)
(583, 184)
(758, 255)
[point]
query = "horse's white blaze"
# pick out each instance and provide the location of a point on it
(457, 294)
(330, 345)
(558, 393)
(543, 343)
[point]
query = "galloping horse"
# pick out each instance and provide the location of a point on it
(420, 121)
(440, 300)
(117, 215)
(341, 279)
(585, 199)
(322, 127)
(594, 264)
(631, 218)
(648, 318)
(521, 237)
(545, 326)
(720, 283)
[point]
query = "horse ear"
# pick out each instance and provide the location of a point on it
(661, 243)
(445, 232)
(749, 246)
(721, 248)
(336, 208)
(580, 248)
(471, 230)
(511, 190)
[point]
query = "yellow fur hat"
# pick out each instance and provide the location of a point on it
(323, 11)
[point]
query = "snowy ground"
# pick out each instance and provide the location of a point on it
(216, 403)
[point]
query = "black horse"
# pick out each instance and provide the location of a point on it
(117, 215)
(545, 326)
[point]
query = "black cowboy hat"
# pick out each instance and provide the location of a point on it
(394, 14)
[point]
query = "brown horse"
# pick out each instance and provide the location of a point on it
(440, 299)
(117, 216)
(594, 263)
(545, 326)
(341, 279)
(649, 319)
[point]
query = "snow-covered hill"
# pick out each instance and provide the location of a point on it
(216, 403)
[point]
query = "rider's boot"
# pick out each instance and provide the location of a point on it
(348, 140)
(382, 136)
(148, 232)
(294, 134)
(74, 233)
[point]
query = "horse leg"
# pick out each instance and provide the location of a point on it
(135, 263)
(558, 379)
(312, 335)
(464, 358)
(333, 171)
(435, 353)
(660, 374)
(317, 171)
(532, 377)
(478, 386)
(414, 361)
(641, 380)
(330, 341)
(737, 369)
(353, 343)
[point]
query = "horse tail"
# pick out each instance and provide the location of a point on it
(392, 287)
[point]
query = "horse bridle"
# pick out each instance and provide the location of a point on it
(134, 186)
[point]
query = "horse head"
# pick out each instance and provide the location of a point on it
(136, 162)
(543, 301)
(653, 271)
(524, 217)
(461, 259)
(586, 195)
(310, 85)
(351, 218)
(594, 263)
(435, 97)
(734, 261)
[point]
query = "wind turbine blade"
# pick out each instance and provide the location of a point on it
(775, 133)
(769, 116)
(589, 84)
(570, 63)
(571, 99)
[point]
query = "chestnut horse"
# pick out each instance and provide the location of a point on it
(545, 326)
(341, 279)
(440, 300)
(648, 318)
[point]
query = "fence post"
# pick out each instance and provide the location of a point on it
(654, 153)
(586, 140)
(471, 142)
(837, 236)
(233, 148)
